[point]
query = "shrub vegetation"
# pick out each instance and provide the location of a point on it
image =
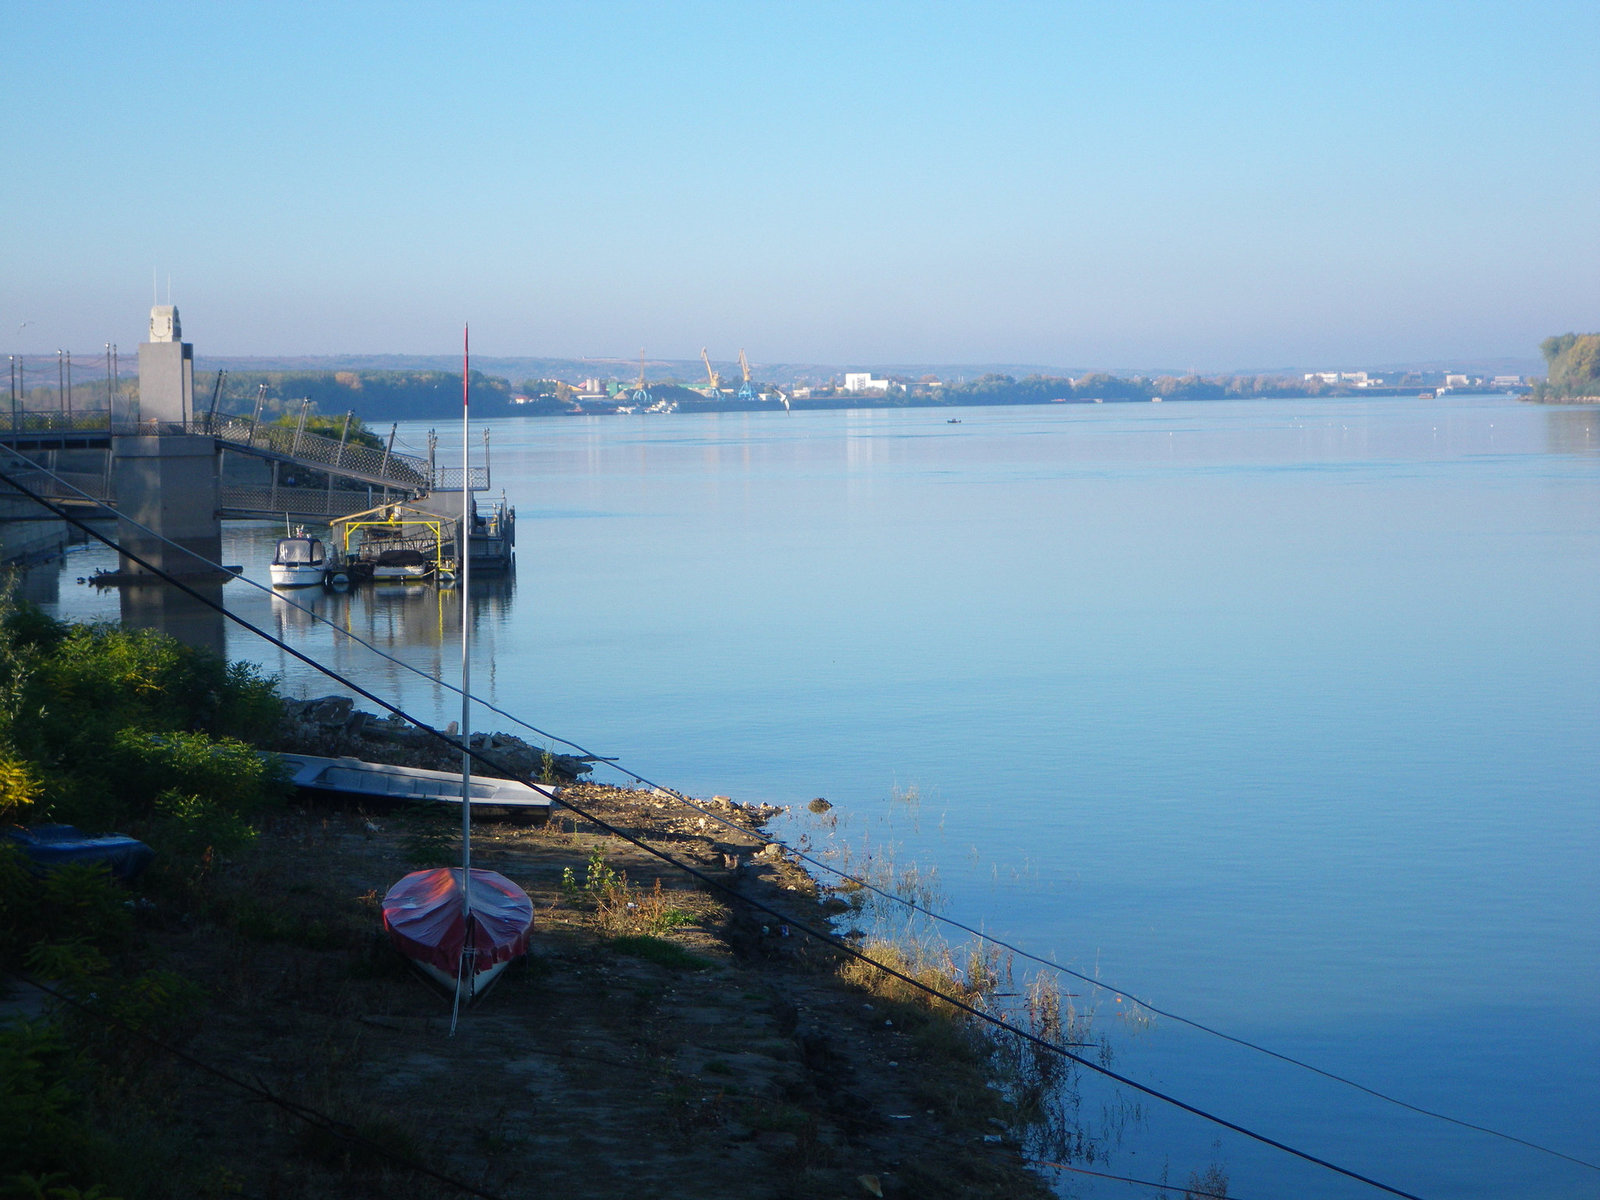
(111, 730)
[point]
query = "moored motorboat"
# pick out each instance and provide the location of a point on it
(395, 541)
(402, 564)
(299, 561)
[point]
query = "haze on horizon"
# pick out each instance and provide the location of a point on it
(1221, 187)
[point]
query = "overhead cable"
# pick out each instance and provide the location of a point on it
(864, 883)
(718, 885)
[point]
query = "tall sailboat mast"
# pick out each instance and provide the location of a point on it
(462, 542)
(430, 915)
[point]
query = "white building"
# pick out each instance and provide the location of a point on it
(863, 381)
(1359, 378)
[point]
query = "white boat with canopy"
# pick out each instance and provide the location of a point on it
(300, 560)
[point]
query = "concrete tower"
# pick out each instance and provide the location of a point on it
(166, 478)
(166, 371)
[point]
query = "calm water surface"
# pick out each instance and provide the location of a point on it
(1281, 715)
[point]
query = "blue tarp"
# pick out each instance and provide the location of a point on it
(51, 846)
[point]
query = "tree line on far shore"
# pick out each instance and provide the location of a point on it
(1573, 360)
(400, 395)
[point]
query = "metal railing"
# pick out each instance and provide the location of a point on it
(15, 421)
(404, 471)
(448, 479)
(294, 502)
(30, 476)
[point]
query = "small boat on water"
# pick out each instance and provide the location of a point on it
(396, 542)
(402, 563)
(299, 561)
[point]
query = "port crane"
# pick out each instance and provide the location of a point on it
(641, 394)
(746, 390)
(715, 390)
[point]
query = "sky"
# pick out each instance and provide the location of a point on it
(1208, 186)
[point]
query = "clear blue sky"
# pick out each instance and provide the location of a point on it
(1117, 184)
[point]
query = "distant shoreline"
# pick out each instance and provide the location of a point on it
(621, 407)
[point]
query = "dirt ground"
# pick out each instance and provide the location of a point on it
(684, 1047)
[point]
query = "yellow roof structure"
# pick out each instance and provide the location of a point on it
(400, 520)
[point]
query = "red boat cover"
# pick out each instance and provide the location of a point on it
(424, 915)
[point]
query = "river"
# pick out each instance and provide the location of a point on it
(1280, 715)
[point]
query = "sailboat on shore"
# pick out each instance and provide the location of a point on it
(460, 927)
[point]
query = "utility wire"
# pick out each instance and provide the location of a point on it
(309, 1115)
(1166, 1187)
(342, 1129)
(823, 938)
(864, 883)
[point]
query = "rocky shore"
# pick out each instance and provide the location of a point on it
(665, 1037)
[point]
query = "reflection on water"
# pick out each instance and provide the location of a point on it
(420, 622)
(1260, 709)
(191, 619)
(195, 620)
(1573, 429)
(392, 613)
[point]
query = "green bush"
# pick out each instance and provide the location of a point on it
(41, 1109)
(223, 774)
(74, 903)
(100, 679)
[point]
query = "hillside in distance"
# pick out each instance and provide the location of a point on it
(394, 387)
(517, 368)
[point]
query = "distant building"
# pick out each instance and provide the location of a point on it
(1359, 378)
(863, 381)
(1455, 381)
(1507, 381)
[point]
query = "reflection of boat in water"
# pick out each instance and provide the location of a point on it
(299, 561)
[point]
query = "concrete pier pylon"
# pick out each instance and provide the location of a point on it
(166, 480)
(169, 485)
